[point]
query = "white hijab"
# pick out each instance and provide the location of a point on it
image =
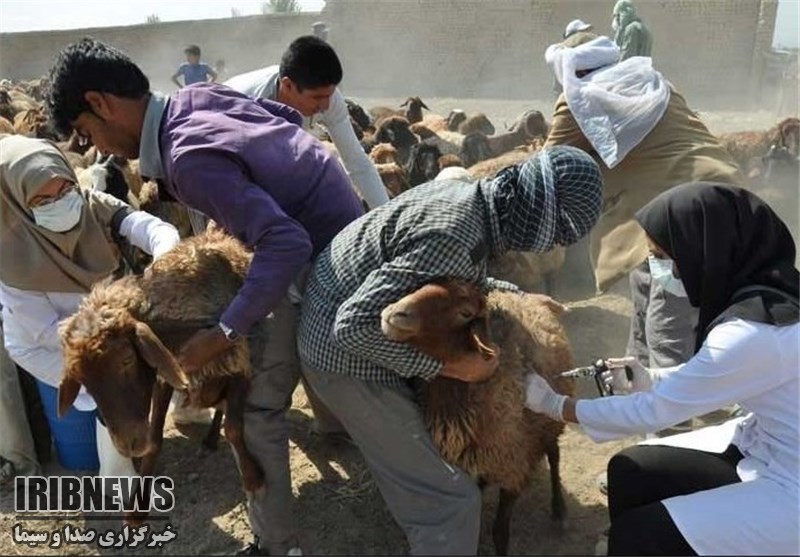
(615, 106)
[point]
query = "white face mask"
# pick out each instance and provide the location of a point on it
(61, 215)
(662, 272)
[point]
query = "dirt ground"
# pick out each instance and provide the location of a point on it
(338, 508)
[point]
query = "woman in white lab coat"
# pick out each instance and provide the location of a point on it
(730, 489)
(56, 241)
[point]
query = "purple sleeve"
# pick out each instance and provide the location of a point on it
(282, 110)
(216, 185)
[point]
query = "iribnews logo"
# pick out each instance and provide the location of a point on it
(107, 494)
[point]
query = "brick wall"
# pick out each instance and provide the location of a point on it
(710, 49)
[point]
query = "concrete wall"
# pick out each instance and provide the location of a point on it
(245, 43)
(710, 49)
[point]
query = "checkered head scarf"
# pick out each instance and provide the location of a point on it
(552, 198)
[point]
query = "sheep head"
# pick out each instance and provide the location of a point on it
(118, 359)
(414, 106)
(443, 319)
(423, 163)
(395, 130)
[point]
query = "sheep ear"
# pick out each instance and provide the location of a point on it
(405, 102)
(156, 354)
(481, 339)
(67, 393)
(423, 105)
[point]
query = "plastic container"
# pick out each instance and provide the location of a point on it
(74, 434)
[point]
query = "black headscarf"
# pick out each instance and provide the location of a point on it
(735, 256)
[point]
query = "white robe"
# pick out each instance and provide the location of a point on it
(757, 366)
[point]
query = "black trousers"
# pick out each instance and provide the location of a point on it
(640, 477)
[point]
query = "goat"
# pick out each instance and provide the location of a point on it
(120, 342)
(485, 428)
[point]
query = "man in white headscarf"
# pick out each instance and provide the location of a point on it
(646, 140)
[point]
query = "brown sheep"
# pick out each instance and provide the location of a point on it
(35, 123)
(446, 161)
(413, 112)
(168, 211)
(478, 123)
(120, 345)
(485, 428)
(6, 126)
(383, 153)
(532, 272)
(748, 147)
(489, 167)
(394, 178)
(422, 131)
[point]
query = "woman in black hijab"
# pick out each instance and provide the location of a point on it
(728, 489)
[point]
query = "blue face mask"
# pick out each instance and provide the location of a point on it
(60, 215)
(662, 272)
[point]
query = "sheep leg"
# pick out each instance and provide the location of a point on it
(211, 440)
(558, 507)
(162, 393)
(252, 475)
(501, 531)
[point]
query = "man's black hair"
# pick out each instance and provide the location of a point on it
(311, 63)
(90, 65)
(192, 49)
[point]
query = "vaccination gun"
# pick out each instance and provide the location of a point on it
(596, 370)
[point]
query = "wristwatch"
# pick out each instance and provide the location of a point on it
(229, 333)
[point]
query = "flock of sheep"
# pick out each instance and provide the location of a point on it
(483, 428)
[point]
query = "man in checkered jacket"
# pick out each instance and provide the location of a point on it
(440, 229)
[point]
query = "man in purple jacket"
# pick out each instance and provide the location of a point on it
(249, 166)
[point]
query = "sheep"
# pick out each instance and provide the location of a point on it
(534, 124)
(383, 153)
(414, 106)
(394, 178)
(485, 428)
(413, 112)
(6, 126)
(455, 119)
(449, 143)
(422, 131)
(423, 164)
(489, 167)
(748, 147)
(35, 123)
(120, 344)
(529, 270)
(7, 109)
(359, 115)
(394, 130)
(450, 160)
(478, 123)
(168, 211)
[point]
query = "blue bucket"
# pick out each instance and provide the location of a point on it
(74, 434)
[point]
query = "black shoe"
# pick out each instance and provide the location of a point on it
(253, 548)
